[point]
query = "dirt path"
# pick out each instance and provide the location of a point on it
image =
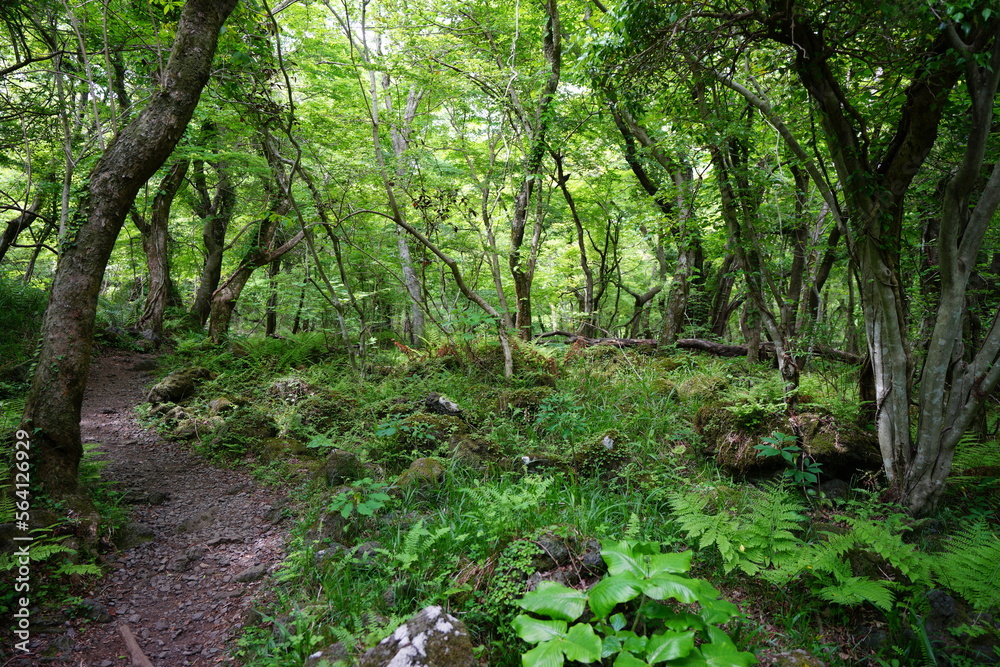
(215, 537)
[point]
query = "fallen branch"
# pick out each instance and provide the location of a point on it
(138, 658)
(711, 347)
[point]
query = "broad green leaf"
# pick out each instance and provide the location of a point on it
(673, 563)
(633, 643)
(555, 601)
(717, 655)
(533, 630)
(669, 646)
(610, 646)
(718, 610)
(582, 644)
(546, 654)
(626, 659)
(617, 621)
(664, 586)
(611, 591)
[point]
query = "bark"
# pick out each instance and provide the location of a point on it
(216, 211)
(588, 324)
(52, 412)
(264, 245)
(20, 223)
(154, 245)
(723, 306)
(522, 268)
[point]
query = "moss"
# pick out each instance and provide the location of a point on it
(276, 449)
(423, 432)
(523, 403)
(728, 439)
(602, 456)
(327, 412)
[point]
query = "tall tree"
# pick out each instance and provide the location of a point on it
(52, 412)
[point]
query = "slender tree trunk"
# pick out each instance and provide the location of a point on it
(271, 325)
(216, 212)
(52, 412)
(154, 245)
(19, 224)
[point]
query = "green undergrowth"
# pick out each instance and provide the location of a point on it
(523, 479)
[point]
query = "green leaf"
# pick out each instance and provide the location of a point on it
(618, 621)
(669, 646)
(610, 591)
(582, 644)
(626, 659)
(547, 654)
(555, 601)
(664, 586)
(718, 655)
(533, 630)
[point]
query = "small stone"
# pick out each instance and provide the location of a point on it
(251, 574)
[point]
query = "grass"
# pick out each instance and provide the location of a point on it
(469, 542)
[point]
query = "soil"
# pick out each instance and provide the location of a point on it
(216, 537)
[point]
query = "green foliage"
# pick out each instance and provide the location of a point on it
(970, 565)
(659, 633)
(758, 537)
(801, 470)
(21, 310)
(364, 499)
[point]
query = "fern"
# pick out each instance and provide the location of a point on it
(852, 591)
(970, 566)
(757, 538)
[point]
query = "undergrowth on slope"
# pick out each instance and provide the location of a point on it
(534, 472)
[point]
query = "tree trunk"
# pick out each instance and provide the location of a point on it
(216, 212)
(522, 267)
(19, 224)
(52, 412)
(154, 245)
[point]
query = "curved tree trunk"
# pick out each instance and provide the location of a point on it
(52, 413)
(154, 245)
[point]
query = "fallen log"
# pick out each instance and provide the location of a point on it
(139, 659)
(702, 345)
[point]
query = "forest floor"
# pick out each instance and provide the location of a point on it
(215, 535)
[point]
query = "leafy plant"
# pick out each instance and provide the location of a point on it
(364, 498)
(970, 565)
(801, 470)
(635, 570)
(561, 416)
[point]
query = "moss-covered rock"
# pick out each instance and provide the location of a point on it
(244, 428)
(727, 438)
(327, 412)
(603, 456)
(426, 433)
(340, 467)
(178, 385)
(432, 638)
(424, 472)
(524, 403)
(277, 449)
(475, 452)
(195, 428)
(841, 450)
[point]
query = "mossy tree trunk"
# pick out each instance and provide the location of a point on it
(52, 413)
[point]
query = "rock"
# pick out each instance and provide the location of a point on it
(190, 428)
(197, 522)
(251, 573)
(291, 389)
(524, 403)
(422, 472)
(424, 433)
(327, 656)
(178, 385)
(442, 405)
(942, 604)
(327, 412)
(797, 658)
(432, 638)
(94, 610)
(835, 489)
(474, 452)
(329, 527)
(554, 553)
(144, 365)
(219, 405)
(339, 467)
(603, 456)
(275, 449)
(132, 535)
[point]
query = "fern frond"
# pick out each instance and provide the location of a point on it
(857, 590)
(970, 566)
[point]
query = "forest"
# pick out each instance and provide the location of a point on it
(622, 333)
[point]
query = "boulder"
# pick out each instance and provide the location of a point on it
(422, 472)
(474, 452)
(178, 385)
(432, 638)
(327, 656)
(442, 405)
(603, 456)
(339, 467)
(219, 405)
